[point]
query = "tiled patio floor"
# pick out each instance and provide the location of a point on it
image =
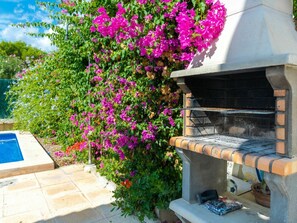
(67, 194)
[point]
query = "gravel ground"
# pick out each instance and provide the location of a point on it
(51, 147)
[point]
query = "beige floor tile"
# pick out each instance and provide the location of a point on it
(23, 208)
(83, 216)
(52, 177)
(87, 184)
(1, 200)
(122, 219)
(28, 217)
(72, 168)
(102, 181)
(107, 210)
(22, 185)
(16, 203)
(74, 201)
(115, 216)
(65, 195)
(46, 221)
(5, 181)
(98, 196)
(1, 206)
(80, 175)
(59, 189)
(9, 181)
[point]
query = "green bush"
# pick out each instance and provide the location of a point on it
(16, 56)
(10, 66)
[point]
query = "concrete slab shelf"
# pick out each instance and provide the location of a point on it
(195, 213)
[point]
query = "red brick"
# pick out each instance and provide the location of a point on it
(199, 148)
(280, 105)
(184, 144)
(250, 160)
(281, 147)
(237, 157)
(280, 119)
(207, 149)
(172, 141)
(226, 154)
(280, 133)
(178, 142)
(216, 152)
(280, 93)
(192, 145)
(188, 102)
(284, 167)
(264, 163)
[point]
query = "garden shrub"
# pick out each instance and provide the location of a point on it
(9, 66)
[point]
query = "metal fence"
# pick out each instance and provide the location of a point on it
(4, 87)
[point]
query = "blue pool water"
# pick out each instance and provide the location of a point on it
(9, 148)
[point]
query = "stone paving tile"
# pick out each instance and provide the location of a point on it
(10, 181)
(16, 203)
(22, 183)
(98, 196)
(72, 168)
(84, 216)
(1, 198)
(121, 219)
(59, 189)
(87, 184)
(80, 175)
(28, 217)
(51, 177)
(1, 205)
(65, 195)
(107, 210)
(103, 182)
(73, 201)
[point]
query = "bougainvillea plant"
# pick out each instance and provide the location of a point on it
(130, 118)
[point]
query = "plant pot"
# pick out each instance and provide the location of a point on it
(261, 197)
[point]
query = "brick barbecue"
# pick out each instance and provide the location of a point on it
(240, 105)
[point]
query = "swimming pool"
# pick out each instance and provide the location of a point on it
(35, 158)
(9, 148)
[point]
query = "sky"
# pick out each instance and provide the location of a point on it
(21, 11)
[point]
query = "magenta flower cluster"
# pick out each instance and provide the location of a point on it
(177, 38)
(190, 35)
(103, 116)
(117, 27)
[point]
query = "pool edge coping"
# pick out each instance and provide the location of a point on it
(35, 157)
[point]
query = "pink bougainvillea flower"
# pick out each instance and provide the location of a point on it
(64, 11)
(171, 121)
(97, 78)
(93, 29)
(142, 2)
